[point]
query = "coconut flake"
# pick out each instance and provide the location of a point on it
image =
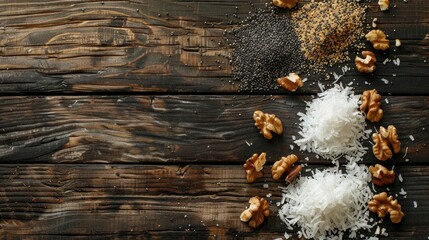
(412, 138)
(333, 126)
(377, 230)
(386, 61)
(415, 204)
(328, 203)
(400, 178)
(406, 151)
(322, 88)
(397, 61)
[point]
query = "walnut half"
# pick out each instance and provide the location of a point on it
(286, 164)
(378, 39)
(291, 82)
(267, 123)
(285, 3)
(383, 205)
(256, 213)
(381, 176)
(371, 102)
(366, 64)
(253, 166)
(383, 140)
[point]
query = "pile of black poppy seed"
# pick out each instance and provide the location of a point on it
(265, 48)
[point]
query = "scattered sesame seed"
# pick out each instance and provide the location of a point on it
(327, 29)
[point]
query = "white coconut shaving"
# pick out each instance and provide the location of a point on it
(333, 126)
(328, 203)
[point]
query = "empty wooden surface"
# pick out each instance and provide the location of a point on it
(120, 120)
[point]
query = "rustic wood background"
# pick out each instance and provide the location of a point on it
(119, 119)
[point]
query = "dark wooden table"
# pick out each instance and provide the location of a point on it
(119, 119)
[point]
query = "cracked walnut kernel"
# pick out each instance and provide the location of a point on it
(267, 123)
(384, 4)
(383, 140)
(256, 213)
(285, 3)
(286, 164)
(366, 64)
(378, 39)
(291, 82)
(381, 176)
(371, 102)
(383, 205)
(253, 166)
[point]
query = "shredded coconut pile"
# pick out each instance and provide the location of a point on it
(328, 203)
(333, 126)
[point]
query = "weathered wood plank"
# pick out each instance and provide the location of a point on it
(181, 128)
(162, 46)
(51, 201)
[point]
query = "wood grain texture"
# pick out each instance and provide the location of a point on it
(168, 129)
(48, 201)
(135, 166)
(166, 46)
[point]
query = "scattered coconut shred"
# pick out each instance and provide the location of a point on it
(328, 203)
(333, 126)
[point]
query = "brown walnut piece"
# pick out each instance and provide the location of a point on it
(256, 212)
(384, 4)
(267, 123)
(383, 205)
(285, 3)
(253, 166)
(371, 102)
(384, 140)
(367, 64)
(290, 82)
(378, 39)
(286, 164)
(381, 176)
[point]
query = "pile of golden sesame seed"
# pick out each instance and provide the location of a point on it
(328, 29)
